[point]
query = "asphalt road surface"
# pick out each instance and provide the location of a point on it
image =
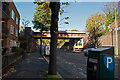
(74, 65)
(71, 65)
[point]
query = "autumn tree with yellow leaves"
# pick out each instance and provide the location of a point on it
(95, 26)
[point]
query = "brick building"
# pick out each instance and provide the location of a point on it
(10, 25)
(30, 40)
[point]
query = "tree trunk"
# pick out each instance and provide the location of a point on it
(41, 40)
(41, 43)
(55, 6)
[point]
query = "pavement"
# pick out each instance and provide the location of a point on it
(117, 70)
(32, 66)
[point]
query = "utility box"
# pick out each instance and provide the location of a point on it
(100, 64)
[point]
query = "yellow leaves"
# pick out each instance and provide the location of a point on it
(67, 18)
(95, 21)
(11, 70)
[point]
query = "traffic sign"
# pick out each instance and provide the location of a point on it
(109, 62)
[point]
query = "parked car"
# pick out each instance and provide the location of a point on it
(86, 51)
(65, 46)
(46, 50)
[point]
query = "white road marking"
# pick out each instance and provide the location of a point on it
(83, 74)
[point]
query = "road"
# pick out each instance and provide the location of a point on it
(71, 65)
(74, 65)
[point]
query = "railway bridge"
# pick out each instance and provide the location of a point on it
(77, 39)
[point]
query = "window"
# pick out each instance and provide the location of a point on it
(17, 20)
(16, 33)
(13, 15)
(12, 29)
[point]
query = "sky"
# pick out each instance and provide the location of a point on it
(78, 12)
(68, 0)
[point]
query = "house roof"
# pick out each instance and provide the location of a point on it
(111, 26)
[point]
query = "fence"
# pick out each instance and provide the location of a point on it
(9, 59)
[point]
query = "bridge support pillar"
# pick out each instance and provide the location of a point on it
(71, 44)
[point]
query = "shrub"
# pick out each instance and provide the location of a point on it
(5, 51)
(18, 51)
(15, 49)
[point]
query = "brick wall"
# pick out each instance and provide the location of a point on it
(119, 42)
(109, 39)
(13, 22)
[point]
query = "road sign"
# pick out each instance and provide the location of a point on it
(108, 61)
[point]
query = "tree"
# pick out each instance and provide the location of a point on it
(25, 22)
(23, 41)
(22, 38)
(55, 7)
(109, 10)
(42, 18)
(74, 30)
(94, 25)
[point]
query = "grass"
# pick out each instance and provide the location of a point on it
(51, 77)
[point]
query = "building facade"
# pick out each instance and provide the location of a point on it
(10, 25)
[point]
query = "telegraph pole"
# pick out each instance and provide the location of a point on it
(116, 34)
